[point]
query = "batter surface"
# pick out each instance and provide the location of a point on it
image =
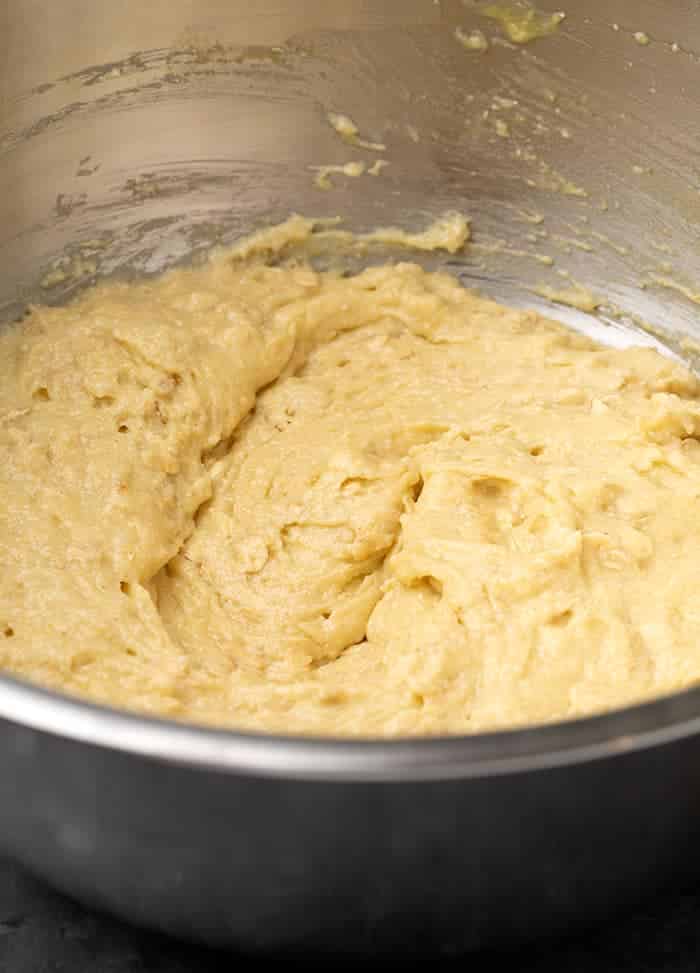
(266, 497)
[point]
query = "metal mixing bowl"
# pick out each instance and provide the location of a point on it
(135, 135)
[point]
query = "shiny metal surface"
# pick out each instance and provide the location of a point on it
(133, 136)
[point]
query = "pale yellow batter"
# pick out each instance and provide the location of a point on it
(272, 498)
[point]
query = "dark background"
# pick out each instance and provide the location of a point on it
(43, 932)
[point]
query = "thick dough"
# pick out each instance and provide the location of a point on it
(271, 498)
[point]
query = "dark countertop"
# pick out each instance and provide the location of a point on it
(43, 932)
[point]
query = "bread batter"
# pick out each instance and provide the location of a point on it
(266, 497)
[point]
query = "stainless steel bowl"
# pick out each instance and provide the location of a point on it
(136, 135)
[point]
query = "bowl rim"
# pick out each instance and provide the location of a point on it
(536, 747)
